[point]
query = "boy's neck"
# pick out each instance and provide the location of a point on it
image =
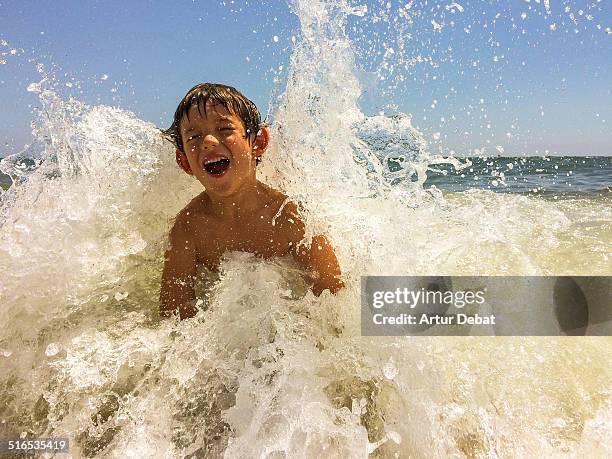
(246, 201)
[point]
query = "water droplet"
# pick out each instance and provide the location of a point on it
(52, 349)
(396, 437)
(121, 296)
(390, 370)
(33, 87)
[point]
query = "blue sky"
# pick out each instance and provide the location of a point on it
(512, 74)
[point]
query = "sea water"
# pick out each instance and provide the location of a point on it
(268, 370)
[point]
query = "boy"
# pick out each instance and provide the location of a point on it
(219, 138)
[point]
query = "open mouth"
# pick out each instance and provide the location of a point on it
(217, 168)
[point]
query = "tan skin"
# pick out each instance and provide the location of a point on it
(235, 213)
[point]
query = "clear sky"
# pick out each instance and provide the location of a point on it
(525, 75)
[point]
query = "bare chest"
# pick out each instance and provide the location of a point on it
(256, 235)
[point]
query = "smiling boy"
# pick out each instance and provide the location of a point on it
(219, 139)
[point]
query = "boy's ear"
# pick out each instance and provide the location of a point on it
(261, 142)
(181, 160)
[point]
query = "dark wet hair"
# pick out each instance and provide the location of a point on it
(219, 94)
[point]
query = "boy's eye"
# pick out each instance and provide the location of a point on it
(226, 129)
(193, 137)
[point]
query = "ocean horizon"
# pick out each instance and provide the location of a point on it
(510, 174)
(270, 366)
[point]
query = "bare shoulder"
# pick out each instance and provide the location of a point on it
(317, 257)
(284, 215)
(288, 220)
(191, 220)
(196, 209)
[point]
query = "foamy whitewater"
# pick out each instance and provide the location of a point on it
(268, 370)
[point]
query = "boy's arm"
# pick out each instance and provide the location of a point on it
(177, 293)
(318, 259)
(321, 263)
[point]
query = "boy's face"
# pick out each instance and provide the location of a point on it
(217, 149)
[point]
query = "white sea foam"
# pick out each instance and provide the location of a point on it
(269, 370)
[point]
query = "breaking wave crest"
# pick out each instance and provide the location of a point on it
(268, 369)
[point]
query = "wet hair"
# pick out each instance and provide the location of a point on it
(219, 94)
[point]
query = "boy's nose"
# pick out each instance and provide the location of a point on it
(209, 141)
